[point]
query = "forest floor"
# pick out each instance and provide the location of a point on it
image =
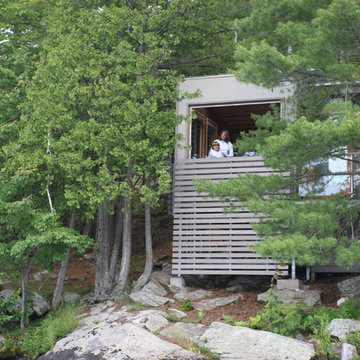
(81, 273)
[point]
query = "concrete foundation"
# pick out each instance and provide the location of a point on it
(294, 284)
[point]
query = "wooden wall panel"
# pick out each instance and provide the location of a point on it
(206, 240)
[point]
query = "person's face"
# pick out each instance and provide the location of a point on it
(223, 136)
(216, 147)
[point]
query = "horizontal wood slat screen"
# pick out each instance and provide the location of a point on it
(207, 241)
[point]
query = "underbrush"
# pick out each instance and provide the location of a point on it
(41, 335)
(292, 320)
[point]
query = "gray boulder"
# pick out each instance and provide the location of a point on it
(186, 331)
(289, 296)
(116, 342)
(342, 328)
(70, 297)
(209, 304)
(180, 314)
(350, 287)
(155, 288)
(40, 305)
(186, 293)
(162, 277)
(152, 320)
(348, 352)
(237, 342)
(149, 299)
(152, 294)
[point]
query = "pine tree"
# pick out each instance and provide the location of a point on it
(312, 214)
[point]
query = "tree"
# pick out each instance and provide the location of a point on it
(99, 113)
(314, 46)
(29, 232)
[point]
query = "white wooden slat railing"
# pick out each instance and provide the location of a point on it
(205, 239)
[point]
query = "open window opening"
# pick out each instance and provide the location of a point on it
(210, 120)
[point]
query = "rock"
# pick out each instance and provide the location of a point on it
(186, 331)
(40, 305)
(155, 288)
(162, 277)
(209, 304)
(41, 275)
(178, 313)
(148, 299)
(348, 352)
(310, 297)
(153, 320)
(341, 328)
(108, 317)
(116, 342)
(5, 294)
(101, 307)
(152, 294)
(176, 283)
(70, 297)
(237, 342)
(341, 301)
(350, 287)
(236, 288)
(185, 293)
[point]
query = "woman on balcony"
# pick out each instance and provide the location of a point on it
(226, 147)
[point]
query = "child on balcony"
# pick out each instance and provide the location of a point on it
(215, 150)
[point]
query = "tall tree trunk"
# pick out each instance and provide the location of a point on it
(102, 279)
(59, 288)
(25, 271)
(119, 223)
(126, 251)
(126, 243)
(145, 276)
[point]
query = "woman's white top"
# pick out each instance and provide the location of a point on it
(226, 148)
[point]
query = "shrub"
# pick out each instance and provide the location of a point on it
(41, 336)
(10, 309)
(186, 305)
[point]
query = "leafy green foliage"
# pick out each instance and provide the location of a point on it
(290, 320)
(186, 305)
(301, 42)
(279, 318)
(9, 309)
(41, 336)
(354, 339)
(227, 319)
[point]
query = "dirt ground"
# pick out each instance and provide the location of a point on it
(81, 272)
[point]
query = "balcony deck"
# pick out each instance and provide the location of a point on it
(205, 239)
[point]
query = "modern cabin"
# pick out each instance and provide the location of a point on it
(207, 241)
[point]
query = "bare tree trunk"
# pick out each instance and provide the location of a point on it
(102, 280)
(126, 244)
(25, 271)
(87, 228)
(145, 276)
(119, 223)
(59, 288)
(126, 251)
